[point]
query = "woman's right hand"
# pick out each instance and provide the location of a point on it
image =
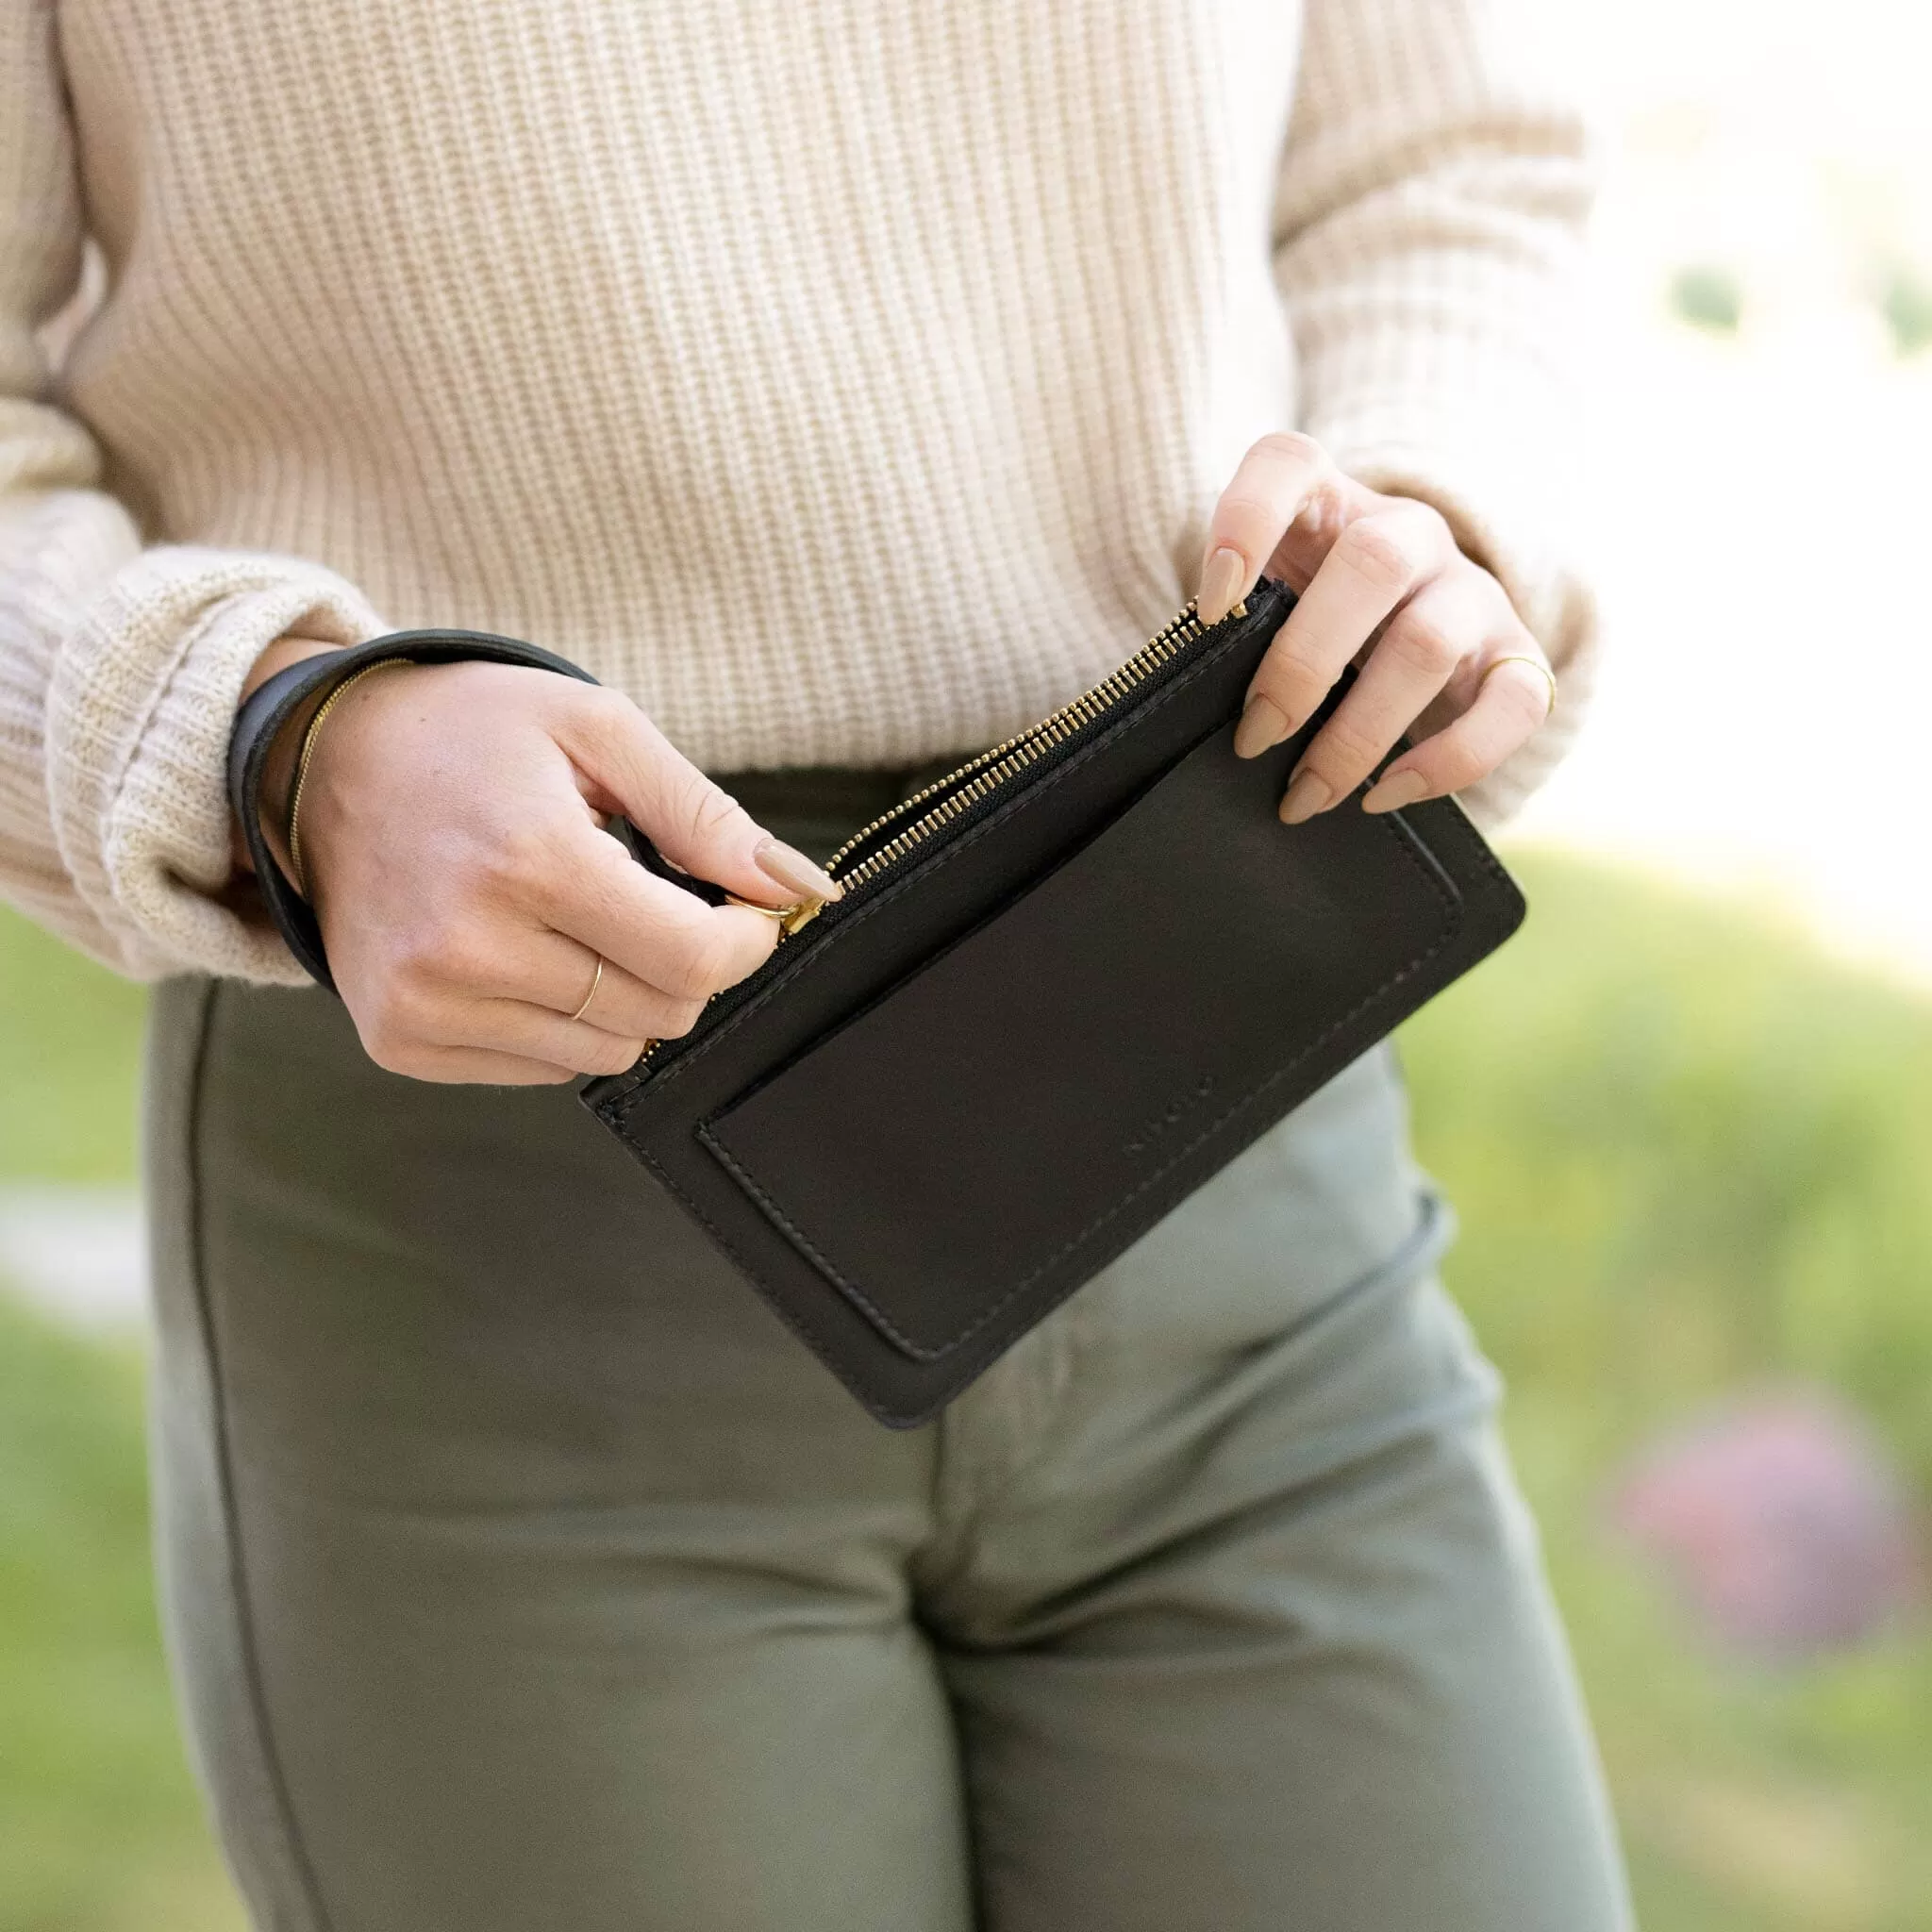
(452, 847)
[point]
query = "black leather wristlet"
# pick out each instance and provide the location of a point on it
(267, 710)
(1064, 986)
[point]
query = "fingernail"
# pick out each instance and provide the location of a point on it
(1263, 723)
(1307, 793)
(792, 870)
(1397, 790)
(1222, 577)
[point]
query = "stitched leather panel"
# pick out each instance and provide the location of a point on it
(1006, 1106)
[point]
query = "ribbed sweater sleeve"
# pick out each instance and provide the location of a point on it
(1427, 239)
(119, 663)
(854, 391)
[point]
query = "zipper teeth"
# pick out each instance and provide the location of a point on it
(988, 769)
(991, 769)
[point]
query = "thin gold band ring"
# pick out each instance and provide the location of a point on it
(1536, 665)
(596, 980)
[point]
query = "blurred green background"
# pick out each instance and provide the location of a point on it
(1690, 1154)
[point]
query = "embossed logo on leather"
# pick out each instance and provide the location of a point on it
(1152, 1131)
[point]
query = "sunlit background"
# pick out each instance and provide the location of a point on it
(1763, 407)
(1687, 1116)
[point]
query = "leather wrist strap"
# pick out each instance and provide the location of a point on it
(268, 708)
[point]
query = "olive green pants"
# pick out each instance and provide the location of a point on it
(521, 1571)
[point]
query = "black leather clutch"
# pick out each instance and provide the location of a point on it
(1065, 986)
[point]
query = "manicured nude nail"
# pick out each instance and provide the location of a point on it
(1263, 723)
(1397, 790)
(1307, 794)
(792, 870)
(1222, 577)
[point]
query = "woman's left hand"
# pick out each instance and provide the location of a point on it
(1382, 586)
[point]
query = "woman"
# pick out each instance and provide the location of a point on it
(845, 386)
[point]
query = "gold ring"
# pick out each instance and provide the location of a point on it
(596, 980)
(1536, 665)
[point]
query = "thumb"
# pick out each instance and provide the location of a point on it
(694, 822)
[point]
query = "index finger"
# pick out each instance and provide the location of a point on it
(1272, 483)
(658, 932)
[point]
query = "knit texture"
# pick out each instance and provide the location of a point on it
(848, 380)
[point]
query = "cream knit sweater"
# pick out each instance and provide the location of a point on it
(849, 380)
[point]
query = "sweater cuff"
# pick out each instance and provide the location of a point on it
(139, 710)
(1496, 523)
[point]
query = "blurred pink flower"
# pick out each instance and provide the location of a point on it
(1780, 1522)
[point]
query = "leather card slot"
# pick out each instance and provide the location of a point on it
(901, 1155)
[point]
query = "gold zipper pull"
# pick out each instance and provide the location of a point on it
(789, 918)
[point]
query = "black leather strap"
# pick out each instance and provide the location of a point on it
(268, 708)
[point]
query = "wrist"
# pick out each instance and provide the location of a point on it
(330, 722)
(296, 694)
(279, 773)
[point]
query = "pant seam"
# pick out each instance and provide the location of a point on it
(964, 1501)
(248, 1653)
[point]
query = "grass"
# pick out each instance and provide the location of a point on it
(1905, 300)
(1708, 297)
(70, 1035)
(99, 1827)
(1689, 1152)
(1690, 1156)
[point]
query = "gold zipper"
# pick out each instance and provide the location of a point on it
(982, 774)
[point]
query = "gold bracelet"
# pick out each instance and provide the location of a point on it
(307, 751)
